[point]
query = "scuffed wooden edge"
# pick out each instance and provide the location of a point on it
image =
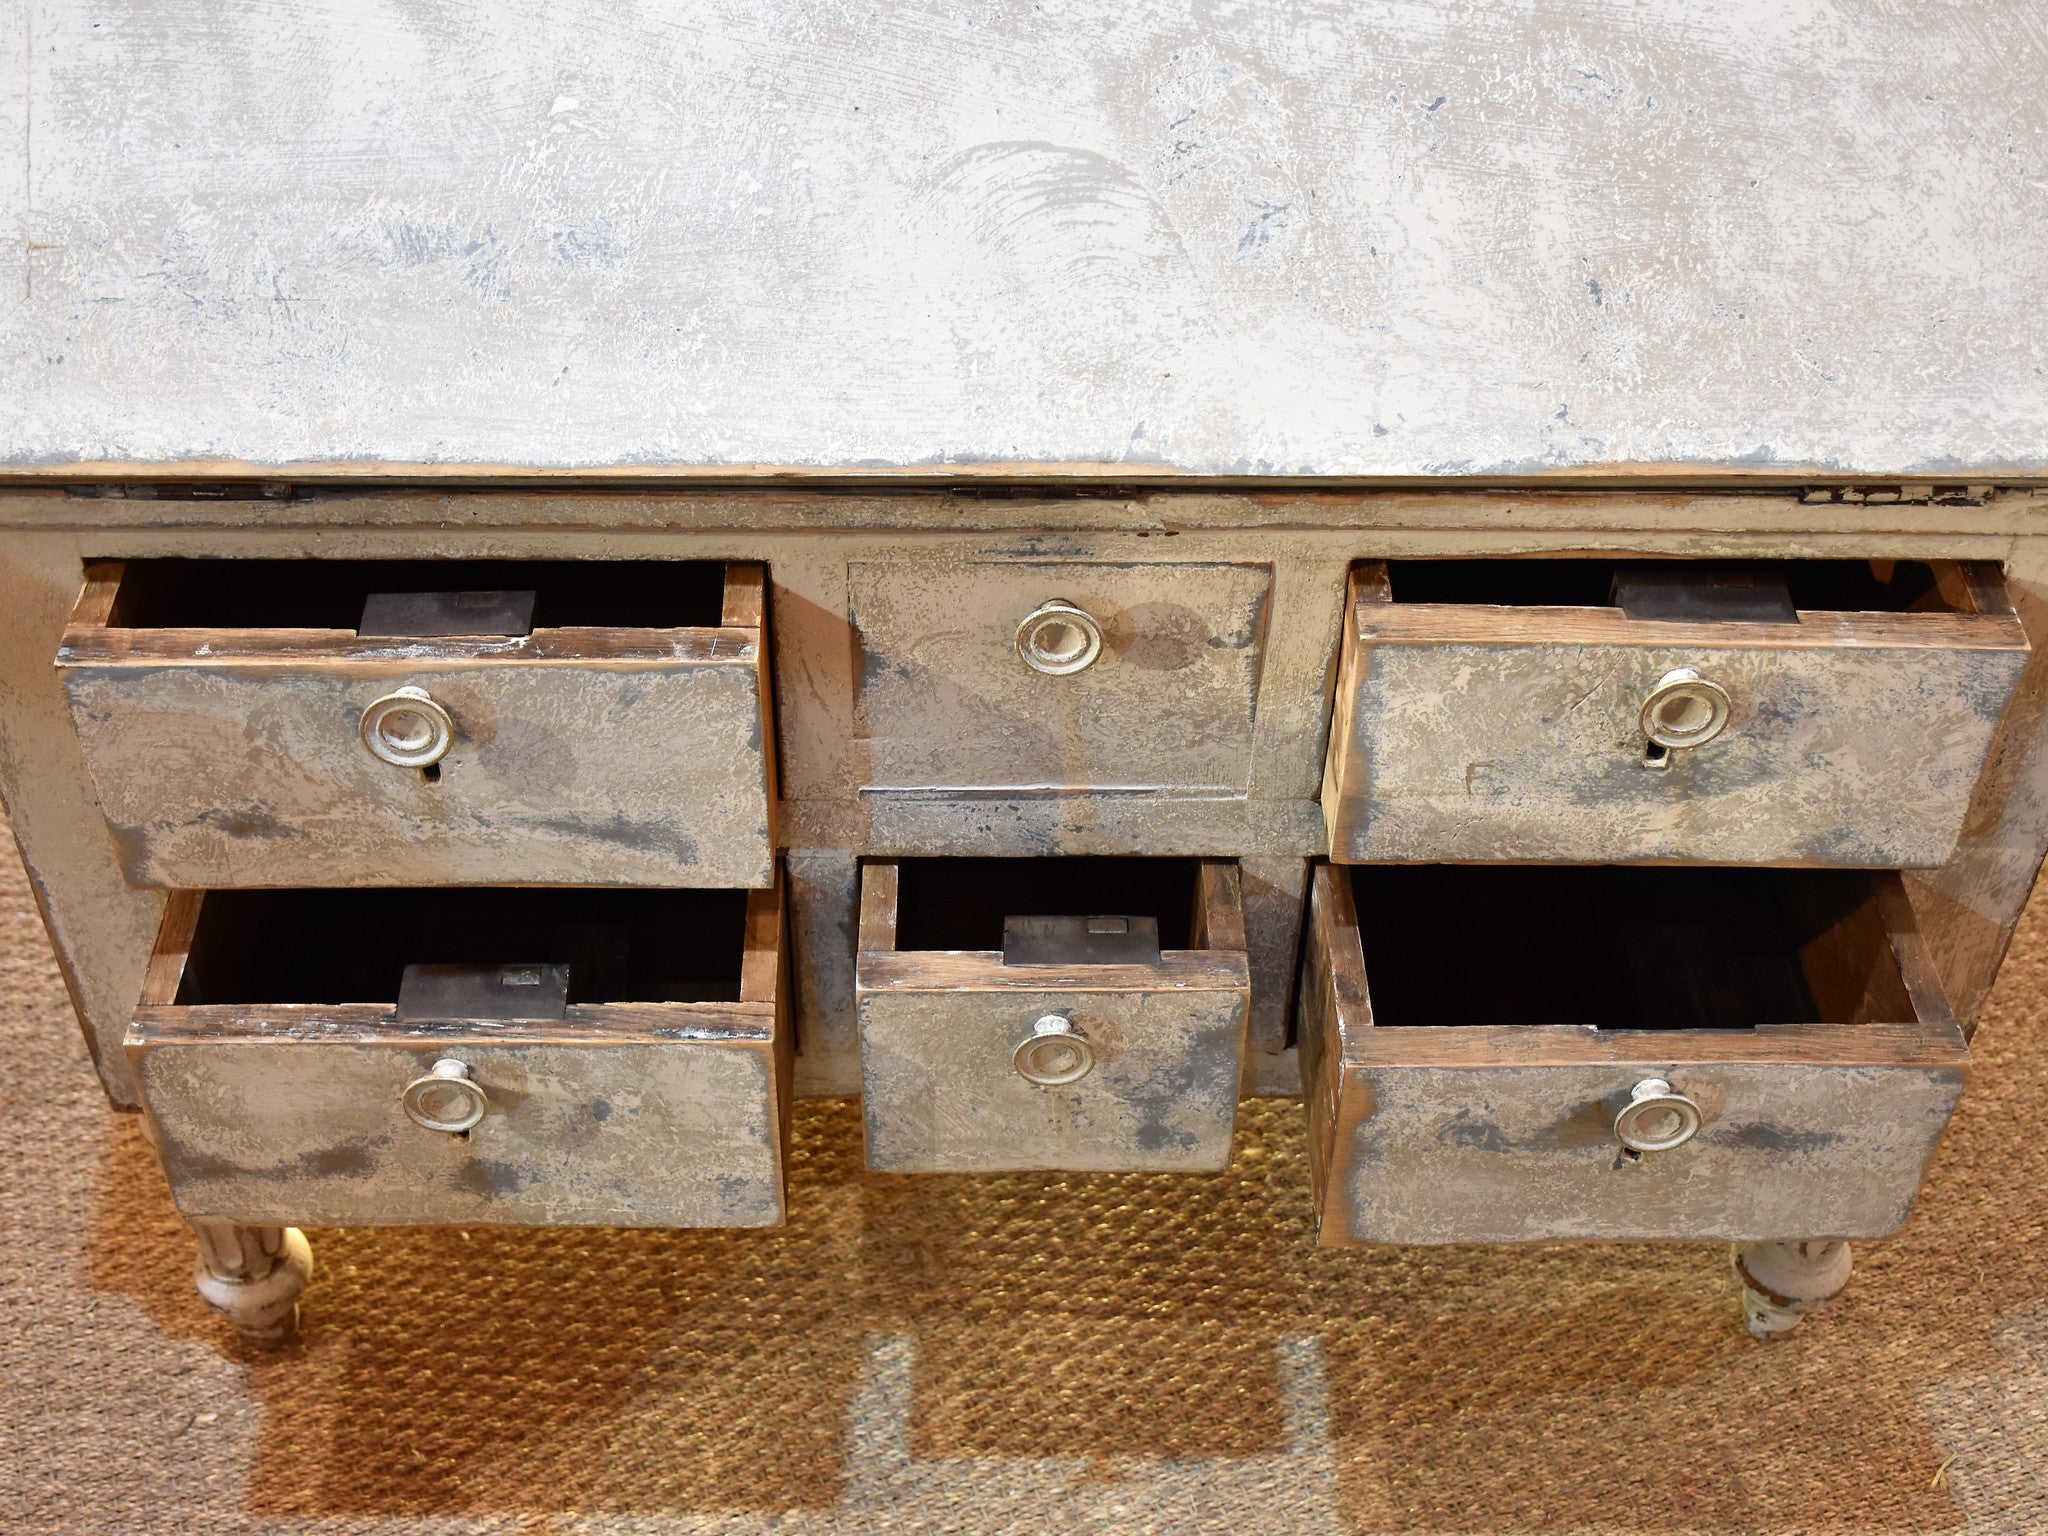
(1213, 965)
(878, 895)
(285, 650)
(1219, 907)
(1500, 627)
(1346, 769)
(978, 970)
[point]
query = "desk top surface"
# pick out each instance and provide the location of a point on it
(1220, 238)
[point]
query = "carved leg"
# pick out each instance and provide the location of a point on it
(1782, 1282)
(254, 1276)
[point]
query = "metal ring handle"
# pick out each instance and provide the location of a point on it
(1656, 1119)
(1054, 1054)
(445, 1099)
(407, 729)
(1684, 710)
(1059, 639)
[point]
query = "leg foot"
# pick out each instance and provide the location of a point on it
(253, 1275)
(1782, 1282)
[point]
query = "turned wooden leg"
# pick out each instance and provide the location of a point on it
(254, 1276)
(1782, 1282)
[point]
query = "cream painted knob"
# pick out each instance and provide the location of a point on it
(445, 1099)
(407, 729)
(1054, 1054)
(1684, 710)
(1656, 1119)
(1059, 639)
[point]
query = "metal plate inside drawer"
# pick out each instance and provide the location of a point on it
(1505, 710)
(969, 1064)
(240, 732)
(280, 1094)
(1508, 1054)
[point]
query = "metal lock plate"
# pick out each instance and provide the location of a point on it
(1104, 939)
(503, 994)
(431, 614)
(1693, 594)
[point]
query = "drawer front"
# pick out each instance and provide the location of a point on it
(1479, 1134)
(943, 1094)
(1516, 734)
(657, 1114)
(595, 757)
(307, 1127)
(951, 1072)
(1505, 1154)
(1167, 702)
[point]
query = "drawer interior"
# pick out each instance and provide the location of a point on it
(329, 594)
(1831, 586)
(352, 946)
(960, 904)
(1625, 947)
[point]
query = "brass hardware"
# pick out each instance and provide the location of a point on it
(1059, 639)
(1054, 1054)
(1656, 1119)
(445, 1099)
(1683, 710)
(407, 729)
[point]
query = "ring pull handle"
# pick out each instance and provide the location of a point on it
(1656, 1118)
(407, 729)
(446, 1099)
(1683, 710)
(1054, 1053)
(1059, 639)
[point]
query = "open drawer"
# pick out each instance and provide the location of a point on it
(343, 722)
(1071, 1013)
(1503, 1054)
(1828, 712)
(529, 1056)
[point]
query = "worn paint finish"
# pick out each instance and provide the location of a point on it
(1275, 895)
(1843, 747)
(102, 926)
(247, 772)
(654, 1132)
(941, 1094)
(946, 702)
(939, 1030)
(1374, 238)
(1521, 1154)
(1480, 1134)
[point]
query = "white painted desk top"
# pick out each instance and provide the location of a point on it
(1214, 237)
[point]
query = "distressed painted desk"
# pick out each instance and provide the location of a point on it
(1117, 435)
